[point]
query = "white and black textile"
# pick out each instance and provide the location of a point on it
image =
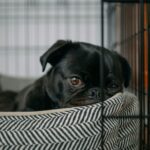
(79, 128)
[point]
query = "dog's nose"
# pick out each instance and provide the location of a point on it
(94, 93)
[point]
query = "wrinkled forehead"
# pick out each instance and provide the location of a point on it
(83, 56)
(88, 58)
(92, 56)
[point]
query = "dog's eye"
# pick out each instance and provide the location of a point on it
(76, 81)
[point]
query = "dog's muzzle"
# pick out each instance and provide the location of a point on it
(96, 93)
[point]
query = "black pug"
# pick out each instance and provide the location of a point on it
(74, 79)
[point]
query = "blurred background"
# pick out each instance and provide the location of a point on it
(29, 27)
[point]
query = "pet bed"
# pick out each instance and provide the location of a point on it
(78, 128)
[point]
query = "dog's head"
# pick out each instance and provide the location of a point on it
(75, 76)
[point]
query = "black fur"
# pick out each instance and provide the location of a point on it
(74, 78)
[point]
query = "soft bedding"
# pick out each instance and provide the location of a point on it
(78, 128)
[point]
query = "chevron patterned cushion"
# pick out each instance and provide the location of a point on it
(79, 128)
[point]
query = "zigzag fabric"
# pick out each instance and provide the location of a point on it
(94, 127)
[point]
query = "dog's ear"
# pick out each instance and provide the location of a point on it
(54, 53)
(126, 70)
